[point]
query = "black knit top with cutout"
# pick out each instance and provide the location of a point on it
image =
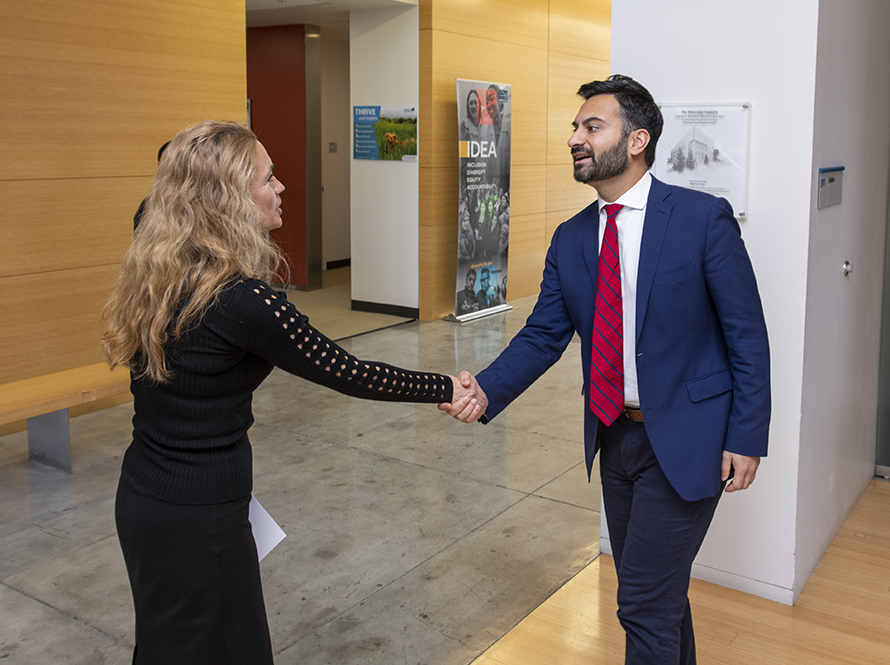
(190, 443)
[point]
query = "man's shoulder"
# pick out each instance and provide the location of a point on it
(580, 218)
(662, 191)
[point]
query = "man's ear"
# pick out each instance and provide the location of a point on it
(637, 142)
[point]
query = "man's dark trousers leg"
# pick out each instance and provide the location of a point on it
(655, 535)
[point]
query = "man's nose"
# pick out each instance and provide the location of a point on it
(575, 139)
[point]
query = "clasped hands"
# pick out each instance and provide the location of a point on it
(468, 400)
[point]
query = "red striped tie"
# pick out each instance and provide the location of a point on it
(607, 364)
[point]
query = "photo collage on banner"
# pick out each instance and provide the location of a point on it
(483, 114)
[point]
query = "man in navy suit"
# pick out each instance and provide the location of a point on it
(693, 418)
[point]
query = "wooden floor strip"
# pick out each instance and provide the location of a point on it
(842, 616)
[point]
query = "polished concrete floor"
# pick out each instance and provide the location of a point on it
(411, 538)
(330, 308)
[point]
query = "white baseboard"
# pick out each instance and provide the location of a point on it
(730, 580)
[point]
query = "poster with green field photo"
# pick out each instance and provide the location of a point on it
(385, 133)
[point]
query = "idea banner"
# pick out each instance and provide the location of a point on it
(484, 115)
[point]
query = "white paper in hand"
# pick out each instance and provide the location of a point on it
(266, 533)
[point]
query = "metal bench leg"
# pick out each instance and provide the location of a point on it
(48, 440)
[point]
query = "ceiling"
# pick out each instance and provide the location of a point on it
(332, 15)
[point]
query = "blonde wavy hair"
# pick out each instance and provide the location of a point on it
(200, 230)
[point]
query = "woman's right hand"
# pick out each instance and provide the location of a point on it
(468, 400)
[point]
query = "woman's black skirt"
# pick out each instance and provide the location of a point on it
(195, 579)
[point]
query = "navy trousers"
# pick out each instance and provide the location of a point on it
(655, 535)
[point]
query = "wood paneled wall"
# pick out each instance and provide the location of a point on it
(89, 91)
(545, 49)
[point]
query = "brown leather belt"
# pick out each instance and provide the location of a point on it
(633, 414)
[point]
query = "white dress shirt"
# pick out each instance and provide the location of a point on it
(630, 234)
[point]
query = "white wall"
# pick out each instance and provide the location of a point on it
(336, 127)
(843, 323)
(384, 56)
(747, 52)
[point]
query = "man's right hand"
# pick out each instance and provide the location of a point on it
(468, 400)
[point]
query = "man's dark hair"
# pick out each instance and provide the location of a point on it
(638, 107)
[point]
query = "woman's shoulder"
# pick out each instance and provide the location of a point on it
(253, 298)
(249, 310)
(245, 298)
(247, 290)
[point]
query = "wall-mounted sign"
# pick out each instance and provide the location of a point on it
(384, 132)
(831, 183)
(705, 147)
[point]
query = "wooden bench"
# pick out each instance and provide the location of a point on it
(44, 401)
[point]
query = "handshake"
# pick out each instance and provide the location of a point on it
(468, 401)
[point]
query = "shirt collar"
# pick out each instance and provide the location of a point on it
(636, 196)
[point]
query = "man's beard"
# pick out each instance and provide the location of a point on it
(613, 162)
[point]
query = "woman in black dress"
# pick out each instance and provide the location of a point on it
(192, 318)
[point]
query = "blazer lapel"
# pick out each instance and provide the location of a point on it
(590, 245)
(658, 213)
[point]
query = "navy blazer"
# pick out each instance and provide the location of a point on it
(701, 343)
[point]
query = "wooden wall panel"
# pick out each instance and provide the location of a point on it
(567, 73)
(520, 66)
(80, 223)
(552, 220)
(51, 320)
(565, 195)
(438, 236)
(438, 279)
(526, 70)
(528, 191)
(94, 87)
(438, 191)
(580, 52)
(496, 22)
(91, 89)
(545, 49)
(581, 29)
(527, 253)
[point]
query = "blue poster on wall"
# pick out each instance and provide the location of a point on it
(364, 120)
(384, 133)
